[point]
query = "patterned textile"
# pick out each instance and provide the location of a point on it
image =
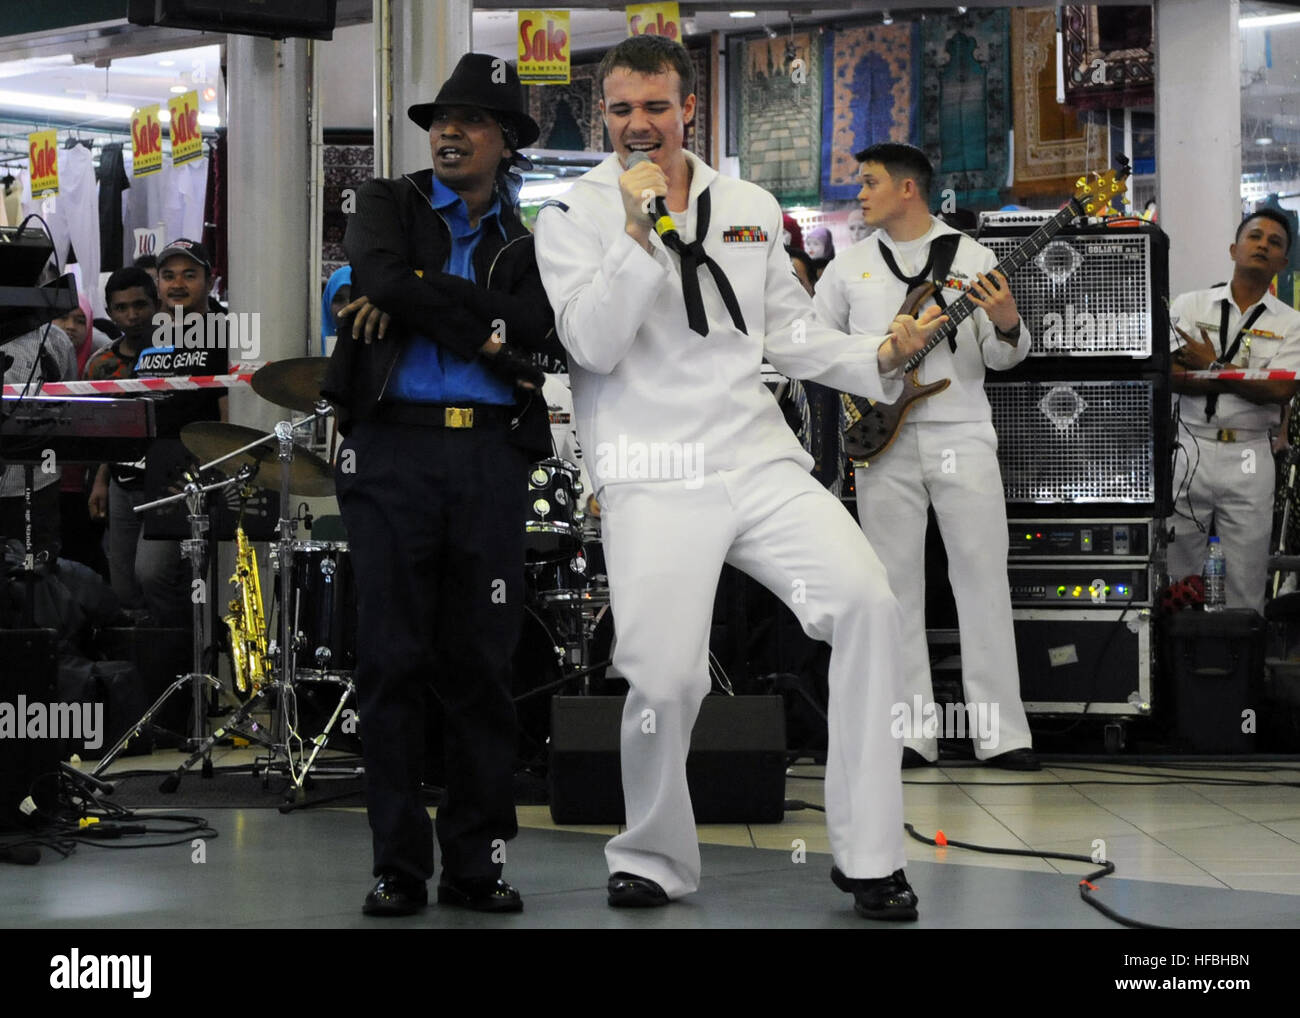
(870, 93)
(1110, 56)
(966, 103)
(569, 115)
(780, 116)
(1053, 146)
(346, 166)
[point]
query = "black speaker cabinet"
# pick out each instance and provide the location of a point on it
(1084, 445)
(1094, 298)
(28, 676)
(1091, 658)
(1215, 671)
(735, 770)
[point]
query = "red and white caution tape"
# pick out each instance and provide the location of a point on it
(1244, 375)
(126, 386)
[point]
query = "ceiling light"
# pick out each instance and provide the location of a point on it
(961, 9)
(209, 93)
(58, 104)
(166, 63)
(1264, 139)
(178, 89)
(743, 14)
(886, 18)
(1268, 20)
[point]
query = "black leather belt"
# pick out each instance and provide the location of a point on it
(446, 415)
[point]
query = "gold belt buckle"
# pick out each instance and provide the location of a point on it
(458, 417)
(1226, 435)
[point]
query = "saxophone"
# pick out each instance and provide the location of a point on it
(247, 624)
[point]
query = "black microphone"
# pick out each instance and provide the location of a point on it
(663, 221)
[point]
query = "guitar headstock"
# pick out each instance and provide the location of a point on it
(1098, 191)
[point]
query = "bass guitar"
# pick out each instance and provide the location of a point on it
(873, 424)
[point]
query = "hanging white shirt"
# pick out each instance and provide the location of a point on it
(860, 294)
(74, 221)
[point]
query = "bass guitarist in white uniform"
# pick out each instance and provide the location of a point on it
(945, 453)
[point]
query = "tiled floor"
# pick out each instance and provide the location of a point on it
(1162, 827)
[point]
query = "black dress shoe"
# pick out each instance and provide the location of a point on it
(627, 890)
(480, 895)
(911, 759)
(890, 898)
(395, 894)
(1015, 760)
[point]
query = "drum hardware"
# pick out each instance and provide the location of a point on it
(553, 529)
(195, 549)
(284, 744)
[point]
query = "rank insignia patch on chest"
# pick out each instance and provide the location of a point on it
(744, 235)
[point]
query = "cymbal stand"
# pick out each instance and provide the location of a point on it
(195, 549)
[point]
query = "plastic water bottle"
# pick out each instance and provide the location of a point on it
(1215, 574)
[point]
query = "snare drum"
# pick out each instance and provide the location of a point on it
(553, 525)
(323, 608)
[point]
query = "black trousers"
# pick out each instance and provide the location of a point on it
(435, 521)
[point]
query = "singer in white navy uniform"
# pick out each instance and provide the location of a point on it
(695, 466)
(1223, 468)
(945, 454)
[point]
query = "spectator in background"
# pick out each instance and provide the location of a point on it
(79, 326)
(819, 245)
(337, 295)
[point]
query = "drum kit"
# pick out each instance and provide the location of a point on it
(313, 637)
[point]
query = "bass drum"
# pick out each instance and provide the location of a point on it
(539, 669)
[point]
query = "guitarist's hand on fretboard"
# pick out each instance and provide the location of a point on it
(906, 336)
(992, 292)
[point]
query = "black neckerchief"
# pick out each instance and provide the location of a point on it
(1226, 351)
(693, 256)
(947, 250)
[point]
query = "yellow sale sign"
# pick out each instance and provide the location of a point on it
(544, 47)
(187, 140)
(655, 19)
(43, 150)
(146, 141)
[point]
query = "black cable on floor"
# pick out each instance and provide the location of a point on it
(1086, 885)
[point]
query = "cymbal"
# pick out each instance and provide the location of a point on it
(208, 440)
(293, 383)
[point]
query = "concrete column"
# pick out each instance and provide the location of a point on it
(427, 40)
(269, 202)
(1198, 137)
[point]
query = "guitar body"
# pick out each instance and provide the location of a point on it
(878, 426)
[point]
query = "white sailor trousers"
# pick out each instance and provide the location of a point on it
(665, 543)
(954, 467)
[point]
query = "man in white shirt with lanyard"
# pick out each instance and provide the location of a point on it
(694, 465)
(945, 453)
(1223, 466)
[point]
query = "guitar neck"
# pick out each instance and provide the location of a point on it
(962, 308)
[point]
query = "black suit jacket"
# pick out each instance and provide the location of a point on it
(394, 233)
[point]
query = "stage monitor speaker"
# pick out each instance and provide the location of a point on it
(30, 671)
(1096, 295)
(735, 770)
(1087, 661)
(1103, 442)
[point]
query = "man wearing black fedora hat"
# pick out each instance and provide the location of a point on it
(442, 413)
